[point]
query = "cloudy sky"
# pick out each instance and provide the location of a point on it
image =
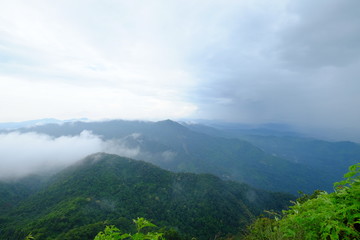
(250, 61)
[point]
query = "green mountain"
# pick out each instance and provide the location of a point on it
(106, 189)
(175, 147)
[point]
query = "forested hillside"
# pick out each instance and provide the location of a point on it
(330, 159)
(14, 191)
(333, 158)
(177, 148)
(106, 189)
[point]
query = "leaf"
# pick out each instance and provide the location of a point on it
(349, 174)
(142, 223)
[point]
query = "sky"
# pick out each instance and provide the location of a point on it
(251, 61)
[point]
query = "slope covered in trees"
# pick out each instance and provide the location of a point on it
(12, 192)
(106, 189)
(332, 158)
(329, 159)
(177, 148)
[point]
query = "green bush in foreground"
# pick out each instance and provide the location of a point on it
(113, 233)
(334, 216)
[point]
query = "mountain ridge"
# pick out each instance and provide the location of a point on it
(175, 147)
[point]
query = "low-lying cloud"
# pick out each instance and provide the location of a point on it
(27, 153)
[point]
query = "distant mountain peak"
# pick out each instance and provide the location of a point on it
(168, 121)
(172, 124)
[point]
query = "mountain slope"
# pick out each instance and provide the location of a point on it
(331, 158)
(108, 189)
(177, 148)
(328, 159)
(12, 192)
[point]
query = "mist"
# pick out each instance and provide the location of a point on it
(32, 153)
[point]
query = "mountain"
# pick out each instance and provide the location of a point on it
(175, 147)
(230, 129)
(332, 158)
(329, 159)
(31, 123)
(106, 189)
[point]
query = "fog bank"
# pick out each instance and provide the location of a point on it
(27, 153)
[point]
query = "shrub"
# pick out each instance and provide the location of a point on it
(334, 216)
(113, 233)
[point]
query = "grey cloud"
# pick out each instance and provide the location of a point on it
(301, 68)
(325, 33)
(120, 147)
(323, 104)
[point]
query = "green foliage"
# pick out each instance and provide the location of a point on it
(305, 197)
(113, 233)
(333, 216)
(12, 192)
(29, 237)
(351, 178)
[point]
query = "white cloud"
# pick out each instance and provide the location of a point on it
(116, 59)
(65, 101)
(168, 156)
(25, 153)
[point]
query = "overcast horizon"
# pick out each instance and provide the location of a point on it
(251, 61)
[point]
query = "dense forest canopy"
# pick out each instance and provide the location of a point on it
(106, 189)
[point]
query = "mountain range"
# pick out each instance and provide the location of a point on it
(192, 180)
(276, 162)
